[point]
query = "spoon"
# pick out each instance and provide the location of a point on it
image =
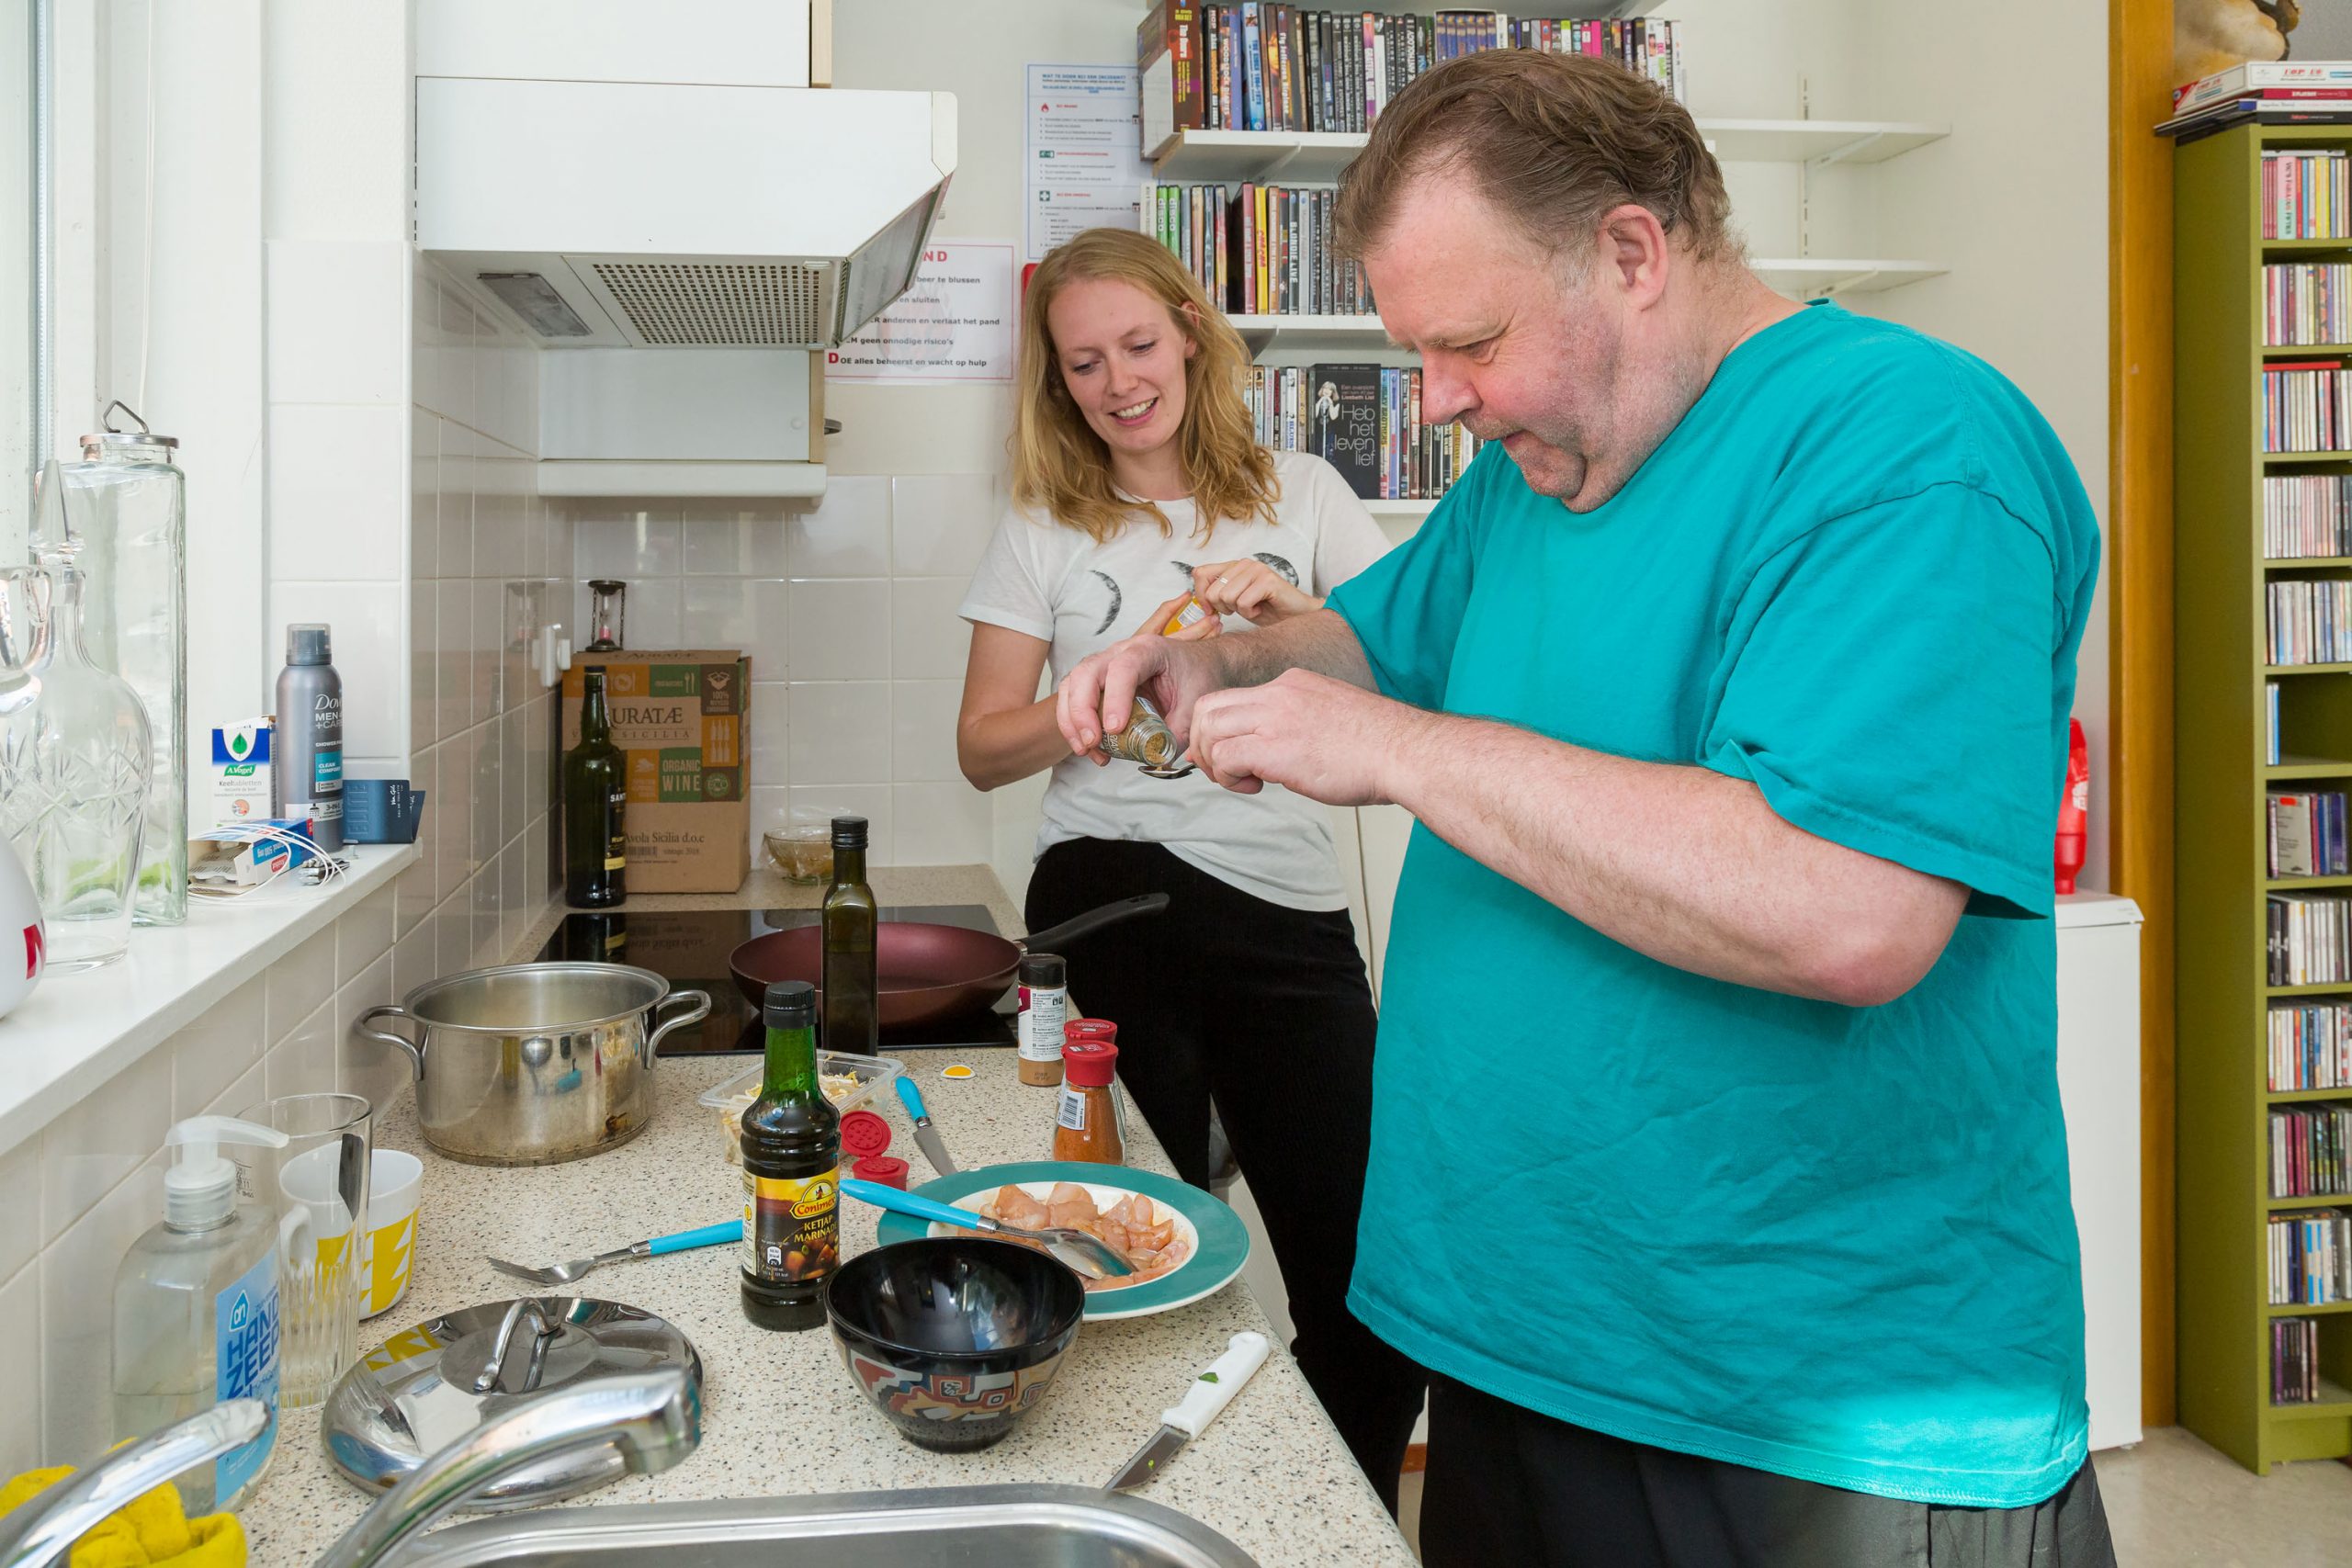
(1090, 1255)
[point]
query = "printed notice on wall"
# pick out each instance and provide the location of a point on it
(954, 324)
(1085, 162)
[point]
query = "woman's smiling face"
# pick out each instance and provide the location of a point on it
(1122, 358)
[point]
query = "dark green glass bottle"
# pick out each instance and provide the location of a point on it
(853, 1019)
(595, 853)
(792, 1156)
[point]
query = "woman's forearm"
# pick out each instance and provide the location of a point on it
(999, 748)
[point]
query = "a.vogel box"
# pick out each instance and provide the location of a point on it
(685, 719)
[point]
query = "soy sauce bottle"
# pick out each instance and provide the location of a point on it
(792, 1147)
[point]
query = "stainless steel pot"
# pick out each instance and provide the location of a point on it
(535, 1064)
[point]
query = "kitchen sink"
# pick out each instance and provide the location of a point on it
(1051, 1526)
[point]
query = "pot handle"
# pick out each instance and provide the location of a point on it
(698, 1009)
(415, 1049)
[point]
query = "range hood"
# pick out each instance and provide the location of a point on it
(653, 215)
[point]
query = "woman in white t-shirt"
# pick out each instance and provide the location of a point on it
(1136, 483)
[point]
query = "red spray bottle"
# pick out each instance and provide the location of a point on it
(2074, 808)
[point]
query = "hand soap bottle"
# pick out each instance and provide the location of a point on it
(196, 1306)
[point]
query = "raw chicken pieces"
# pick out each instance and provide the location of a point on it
(1134, 1227)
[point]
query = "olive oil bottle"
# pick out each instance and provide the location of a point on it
(792, 1149)
(596, 854)
(853, 1016)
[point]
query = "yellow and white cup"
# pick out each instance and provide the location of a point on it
(395, 1183)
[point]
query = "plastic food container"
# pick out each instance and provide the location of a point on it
(868, 1076)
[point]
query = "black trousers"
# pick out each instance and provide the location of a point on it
(1508, 1485)
(1265, 1011)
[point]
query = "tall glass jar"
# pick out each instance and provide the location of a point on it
(127, 531)
(75, 767)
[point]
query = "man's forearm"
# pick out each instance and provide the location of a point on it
(1318, 641)
(1681, 863)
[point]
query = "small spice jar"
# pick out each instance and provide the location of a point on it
(1101, 1029)
(1087, 1121)
(1037, 1032)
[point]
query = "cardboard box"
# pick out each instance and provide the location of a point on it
(684, 720)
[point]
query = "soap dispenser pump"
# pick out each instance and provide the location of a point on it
(196, 1306)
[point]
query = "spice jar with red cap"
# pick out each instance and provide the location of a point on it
(1101, 1029)
(1088, 1123)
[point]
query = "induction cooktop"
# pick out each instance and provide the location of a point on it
(689, 949)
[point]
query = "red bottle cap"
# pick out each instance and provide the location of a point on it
(1101, 1029)
(883, 1170)
(863, 1132)
(1089, 1063)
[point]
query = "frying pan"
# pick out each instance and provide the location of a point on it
(925, 971)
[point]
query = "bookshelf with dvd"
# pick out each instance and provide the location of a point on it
(2263, 718)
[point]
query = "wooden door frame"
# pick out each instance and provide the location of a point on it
(2140, 611)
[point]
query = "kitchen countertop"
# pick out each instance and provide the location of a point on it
(780, 1415)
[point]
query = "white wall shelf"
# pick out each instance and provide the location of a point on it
(1361, 332)
(1816, 142)
(1813, 277)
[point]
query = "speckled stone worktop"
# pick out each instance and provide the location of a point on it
(780, 1415)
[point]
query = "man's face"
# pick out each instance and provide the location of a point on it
(1514, 344)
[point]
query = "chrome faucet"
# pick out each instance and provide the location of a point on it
(45, 1526)
(653, 1419)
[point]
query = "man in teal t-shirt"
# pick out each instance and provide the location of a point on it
(1717, 1173)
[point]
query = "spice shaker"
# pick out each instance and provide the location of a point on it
(1088, 1125)
(1045, 1002)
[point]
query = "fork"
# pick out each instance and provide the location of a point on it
(1090, 1255)
(579, 1269)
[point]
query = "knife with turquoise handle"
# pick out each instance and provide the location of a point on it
(925, 1135)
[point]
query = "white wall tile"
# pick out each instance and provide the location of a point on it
(250, 1089)
(515, 682)
(940, 523)
(367, 1068)
(454, 663)
(76, 1346)
(453, 932)
(536, 878)
(369, 630)
(414, 961)
(838, 630)
(718, 612)
(363, 934)
(307, 1061)
(735, 538)
(562, 545)
(847, 533)
(337, 327)
(653, 621)
(840, 733)
(220, 1048)
(615, 540)
(298, 983)
(489, 647)
(928, 640)
(771, 807)
(338, 487)
(483, 895)
(817, 803)
(429, 351)
(414, 889)
(538, 739)
(104, 1137)
(513, 783)
(514, 908)
(20, 1433)
(534, 536)
(771, 711)
(455, 775)
(457, 386)
(423, 494)
(482, 801)
(922, 731)
(20, 1233)
(499, 514)
(939, 824)
(424, 664)
(455, 506)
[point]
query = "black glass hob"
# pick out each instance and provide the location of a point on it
(689, 949)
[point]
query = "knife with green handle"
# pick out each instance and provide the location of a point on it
(1189, 1417)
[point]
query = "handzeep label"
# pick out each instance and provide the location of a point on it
(244, 1346)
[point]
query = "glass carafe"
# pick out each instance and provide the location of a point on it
(124, 526)
(75, 761)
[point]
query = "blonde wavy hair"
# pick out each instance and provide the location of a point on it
(1061, 467)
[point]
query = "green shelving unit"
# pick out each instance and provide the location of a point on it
(2220, 778)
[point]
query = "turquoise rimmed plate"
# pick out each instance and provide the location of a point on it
(1220, 1241)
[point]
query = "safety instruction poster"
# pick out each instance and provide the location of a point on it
(1083, 152)
(953, 324)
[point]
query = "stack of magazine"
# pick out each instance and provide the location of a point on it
(2272, 92)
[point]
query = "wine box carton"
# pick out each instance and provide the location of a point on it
(683, 720)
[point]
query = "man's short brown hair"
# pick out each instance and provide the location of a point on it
(1552, 141)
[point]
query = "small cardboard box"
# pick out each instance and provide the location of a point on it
(684, 720)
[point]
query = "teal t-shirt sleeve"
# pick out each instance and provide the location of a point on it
(1406, 608)
(1886, 683)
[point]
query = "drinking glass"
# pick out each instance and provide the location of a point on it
(323, 1172)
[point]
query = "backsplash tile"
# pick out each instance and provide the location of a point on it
(940, 522)
(846, 533)
(839, 630)
(928, 640)
(841, 733)
(734, 539)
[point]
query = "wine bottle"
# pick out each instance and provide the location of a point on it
(596, 854)
(852, 1016)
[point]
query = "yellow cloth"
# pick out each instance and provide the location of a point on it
(149, 1530)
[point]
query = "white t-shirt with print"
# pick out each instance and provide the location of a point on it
(1054, 583)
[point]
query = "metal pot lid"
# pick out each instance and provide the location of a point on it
(430, 1385)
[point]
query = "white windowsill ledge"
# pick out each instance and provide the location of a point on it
(75, 1031)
